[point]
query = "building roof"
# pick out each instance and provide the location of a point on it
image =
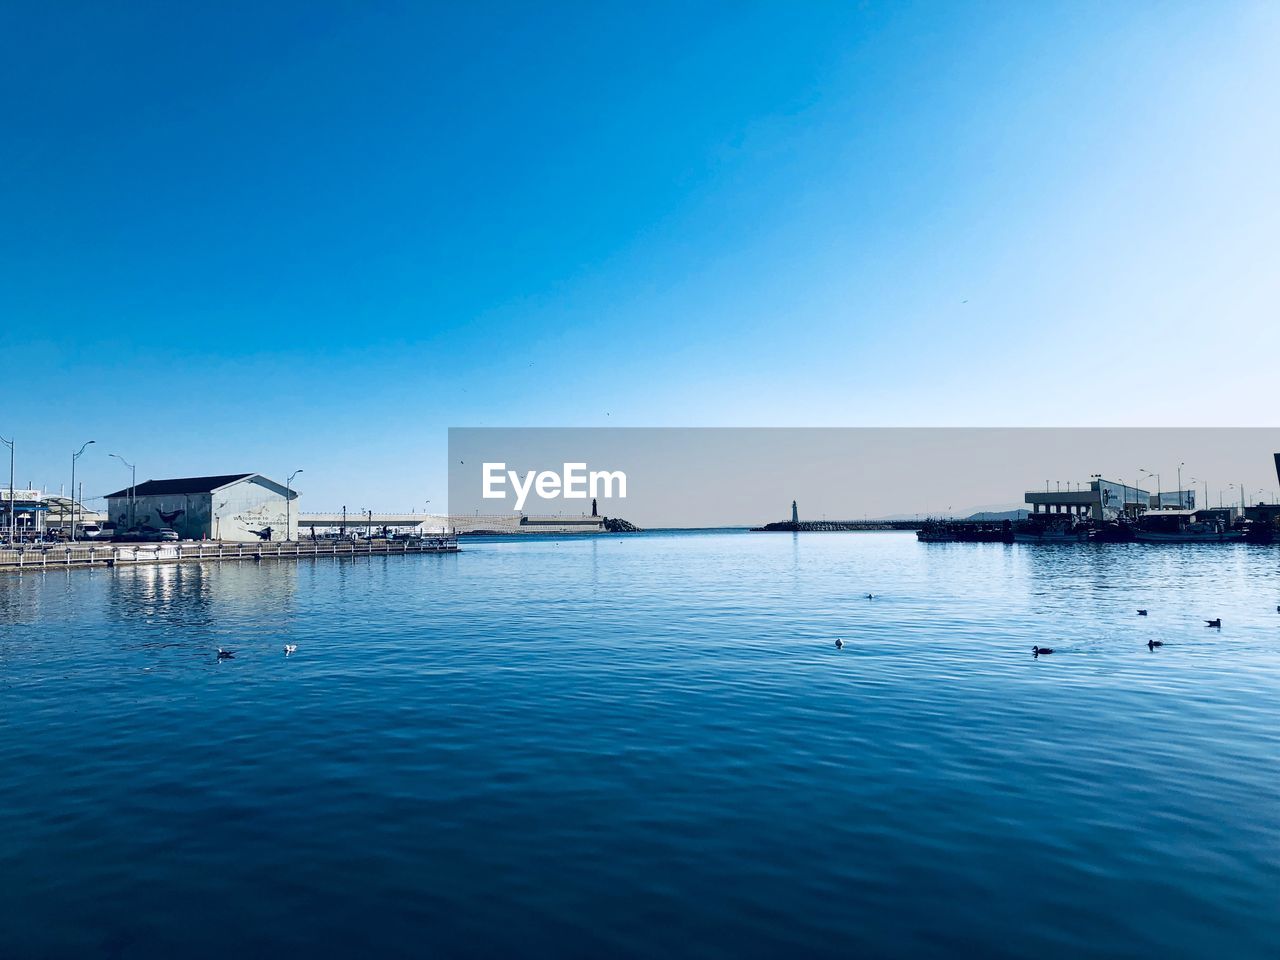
(182, 485)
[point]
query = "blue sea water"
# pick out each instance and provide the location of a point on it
(647, 746)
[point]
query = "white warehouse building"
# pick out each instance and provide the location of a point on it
(245, 507)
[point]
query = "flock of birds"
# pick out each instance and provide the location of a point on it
(1036, 651)
(1039, 651)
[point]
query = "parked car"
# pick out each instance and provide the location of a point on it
(148, 534)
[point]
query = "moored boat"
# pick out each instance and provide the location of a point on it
(1030, 531)
(1183, 526)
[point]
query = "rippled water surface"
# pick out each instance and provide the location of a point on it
(647, 746)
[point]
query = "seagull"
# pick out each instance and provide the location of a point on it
(225, 654)
(1142, 613)
(1039, 650)
(290, 648)
(839, 644)
(1152, 644)
(1214, 623)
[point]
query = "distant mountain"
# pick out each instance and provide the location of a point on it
(990, 516)
(985, 512)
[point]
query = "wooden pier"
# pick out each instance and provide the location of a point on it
(67, 556)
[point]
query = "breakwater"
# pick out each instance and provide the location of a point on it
(618, 525)
(120, 554)
(835, 526)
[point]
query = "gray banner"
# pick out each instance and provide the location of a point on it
(711, 477)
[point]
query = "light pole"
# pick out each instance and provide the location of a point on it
(1180, 466)
(12, 523)
(133, 483)
(288, 503)
(1159, 498)
(74, 457)
(1207, 504)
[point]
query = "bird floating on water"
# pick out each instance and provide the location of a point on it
(290, 648)
(871, 596)
(1039, 650)
(1152, 644)
(839, 644)
(1142, 613)
(226, 654)
(1214, 623)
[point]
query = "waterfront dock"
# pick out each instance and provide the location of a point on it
(67, 556)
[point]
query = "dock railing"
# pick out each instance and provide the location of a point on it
(54, 555)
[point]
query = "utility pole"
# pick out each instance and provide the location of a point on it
(74, 457)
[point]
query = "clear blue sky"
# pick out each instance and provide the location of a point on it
(263, 236)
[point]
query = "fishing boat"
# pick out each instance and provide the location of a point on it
(1183, 526)
(1035, 531)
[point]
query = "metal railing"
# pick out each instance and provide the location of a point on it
(45, 556)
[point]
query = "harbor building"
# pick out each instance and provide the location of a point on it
(36, 514)
(1104, 500)
(243, 507)
(28, 512)
(1174, 500)
(1265, 513)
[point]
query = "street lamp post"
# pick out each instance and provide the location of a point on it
(74, 457)
(1159, 496)
(1194, 480)
(1180, 466)
(288, 504)
(12, 522)
(133, 483)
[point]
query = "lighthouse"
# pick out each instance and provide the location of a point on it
(795, 516)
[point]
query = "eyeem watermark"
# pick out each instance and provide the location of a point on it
(575, 483)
